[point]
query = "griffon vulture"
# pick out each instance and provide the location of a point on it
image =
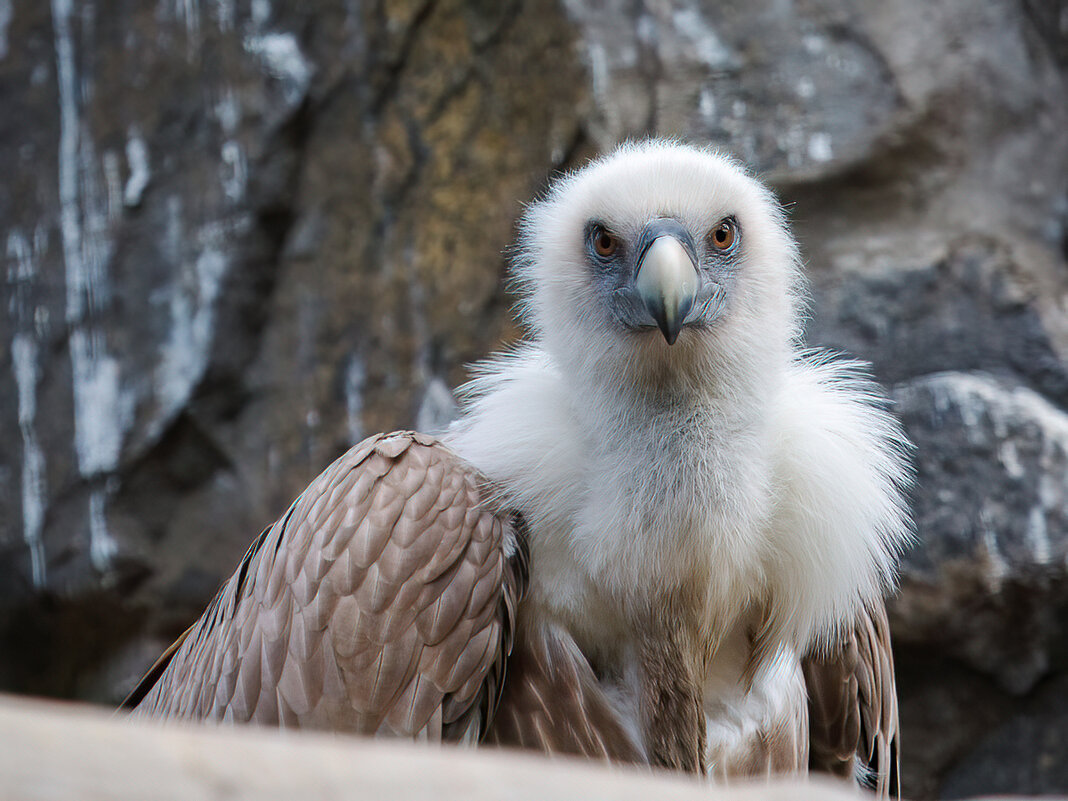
(659, 533)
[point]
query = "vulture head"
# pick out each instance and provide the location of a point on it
(656, 260)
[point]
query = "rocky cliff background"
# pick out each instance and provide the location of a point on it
(238, 235)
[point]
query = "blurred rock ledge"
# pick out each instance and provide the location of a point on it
(56, 752)
(992, 588)
(236, 237)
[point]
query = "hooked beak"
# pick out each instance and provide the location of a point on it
(667, 283)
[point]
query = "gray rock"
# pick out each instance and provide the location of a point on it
(238, 237)
(779, 85)
(1025, 754)
(988, 579)
(970, 297)
(235, 239)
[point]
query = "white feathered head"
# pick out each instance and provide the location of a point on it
(657, 257)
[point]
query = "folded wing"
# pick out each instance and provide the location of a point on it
(382, 602)
(853, 706)
(554, 703)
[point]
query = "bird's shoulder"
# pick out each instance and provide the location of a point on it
(830, 419)
(382, 602)
(841, 471)
(519, 427)
(824, 394)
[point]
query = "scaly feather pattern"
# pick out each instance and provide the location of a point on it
(382, 602)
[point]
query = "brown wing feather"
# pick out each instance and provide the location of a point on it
(554, 704)
(382, 602)
(152, 676)
(853, 705)
(878, 703)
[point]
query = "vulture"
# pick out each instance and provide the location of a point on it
(660, 531)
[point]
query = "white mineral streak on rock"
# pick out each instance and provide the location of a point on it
(612, 42)
(227, 111)
(618, 45)
(437, 409)
(355, 376)
(975, 394)
(6, 13)
(188, 11)
(234, 171)
(261, 12)
(1052, 497)
(101, 411)
(22, 267)
(281, 56)
(1010, 459)
(418, 325)
(186, 352)
(996, 566)
(819, 147)
(600, 77)
(102, 546)
(140, 172)
(173, 233)
(24, 360)
(1012, 412)
(224, 15)
(696, 36)
(706, 106)
(97, 395)
(101, 415)
(1051, 491)
(814, 44)
(40, 247)
(791, 141)
(1038, 536)
(113, 182)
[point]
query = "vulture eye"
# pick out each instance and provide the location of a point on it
(604, 244)
(724, 235)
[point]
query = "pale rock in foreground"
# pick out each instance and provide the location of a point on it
(67, 753)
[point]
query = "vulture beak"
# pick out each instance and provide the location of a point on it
(667, 279)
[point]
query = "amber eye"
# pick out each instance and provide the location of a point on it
(724, 235)
(604, 244)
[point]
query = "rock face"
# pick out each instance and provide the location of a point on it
(237, 239)
(1003, 525)
(238, 236)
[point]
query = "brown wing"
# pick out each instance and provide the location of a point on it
(150, 678)
(853, 706)
(554, 704)
(382, 602)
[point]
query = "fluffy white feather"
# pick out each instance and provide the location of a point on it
(731, 462)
